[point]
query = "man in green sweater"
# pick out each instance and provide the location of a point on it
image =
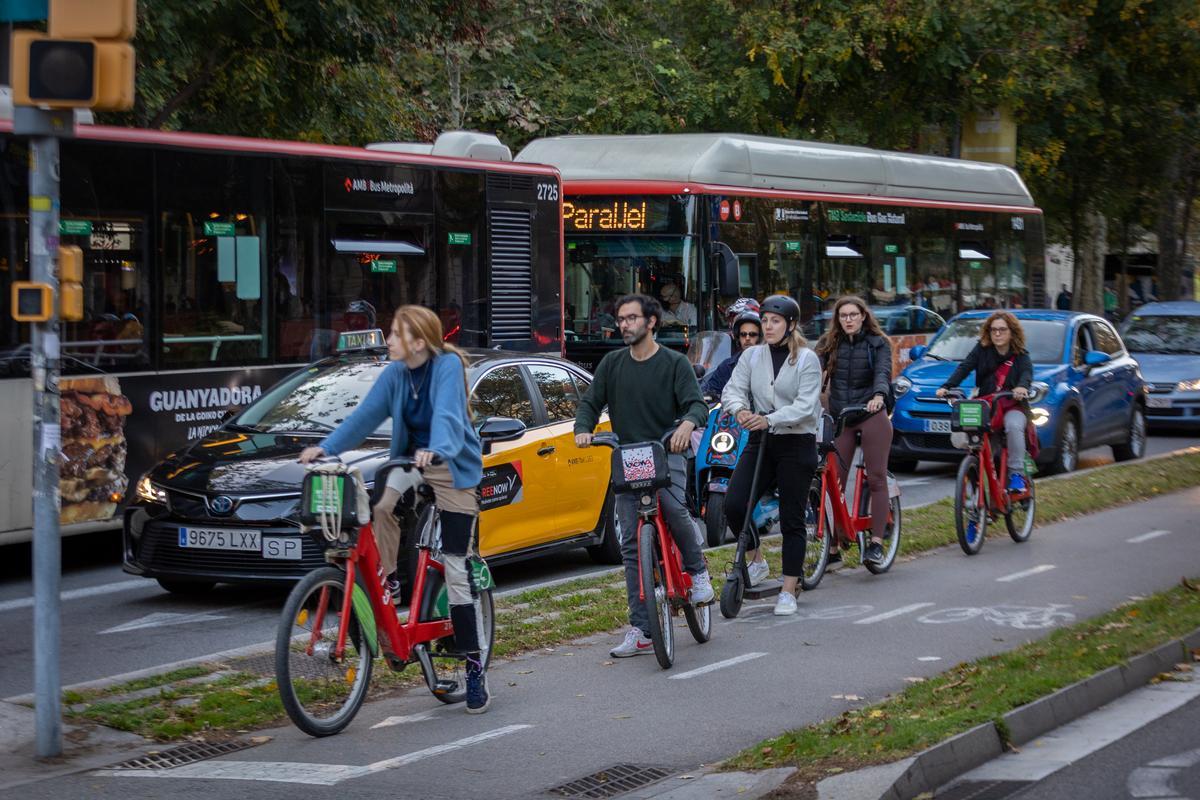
(646, 388)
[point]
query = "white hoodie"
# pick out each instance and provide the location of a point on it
(791, 401)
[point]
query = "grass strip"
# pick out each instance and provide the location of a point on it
(973, 693)
(548, 617)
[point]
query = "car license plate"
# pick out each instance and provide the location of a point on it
(281, 547)
(1158, 402)
(220, 539)
(937, 426)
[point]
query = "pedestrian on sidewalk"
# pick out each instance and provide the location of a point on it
(774, 393)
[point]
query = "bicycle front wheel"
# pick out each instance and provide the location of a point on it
(1019, 519)
(970, 520)
(322, 690)
(658, 607)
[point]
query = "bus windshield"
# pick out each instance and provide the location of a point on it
(602, 268)
(1044, 339)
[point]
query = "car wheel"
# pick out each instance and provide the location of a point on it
(1066, 456)
(608, 551)
(1135, 445)
(184, 587)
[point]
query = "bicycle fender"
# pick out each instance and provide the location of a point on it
(366, 617)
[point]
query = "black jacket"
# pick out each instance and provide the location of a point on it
(862, 369)
(985, 361)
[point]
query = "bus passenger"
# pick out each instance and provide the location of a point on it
(676, 310)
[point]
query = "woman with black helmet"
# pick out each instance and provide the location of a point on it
(746, 331)
(774, 393)
(856, 358)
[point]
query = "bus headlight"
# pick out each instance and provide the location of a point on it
(1040, 417)
(149, 492)
(1038, 391)
(901, 386)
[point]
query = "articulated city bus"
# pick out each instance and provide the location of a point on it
(215, 265)
(919, 237)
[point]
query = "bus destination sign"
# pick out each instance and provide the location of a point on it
(607, 215)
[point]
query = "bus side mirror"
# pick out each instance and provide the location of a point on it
(725, 269)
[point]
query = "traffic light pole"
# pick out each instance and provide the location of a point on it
(44, 127)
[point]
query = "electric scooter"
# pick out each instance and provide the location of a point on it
(720, 447)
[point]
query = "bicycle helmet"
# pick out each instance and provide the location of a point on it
(745, 316)
(782, 305)
(741, 306)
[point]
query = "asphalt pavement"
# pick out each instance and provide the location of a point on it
(565, 713)
(114, 623)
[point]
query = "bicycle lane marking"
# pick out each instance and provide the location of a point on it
(300, 772)
(78, 594)
(1145, 537)
(1016, 576)
(729, 662)
(895, 612)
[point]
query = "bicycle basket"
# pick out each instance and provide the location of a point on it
(969, 415)
(636, 467)
(827, 434)
(333, 502)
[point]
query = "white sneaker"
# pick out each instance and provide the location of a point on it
(702, 591)
(759, 571)
(636, 643)
(786, 605)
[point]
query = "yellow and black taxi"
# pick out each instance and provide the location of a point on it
(225, 507)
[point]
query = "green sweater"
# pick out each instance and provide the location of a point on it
(644, 398)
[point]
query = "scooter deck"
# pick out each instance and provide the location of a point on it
(768, 588)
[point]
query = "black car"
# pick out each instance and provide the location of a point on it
(224, 508)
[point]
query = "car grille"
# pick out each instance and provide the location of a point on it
(159, 551)
(1160, 388)
(928, 441)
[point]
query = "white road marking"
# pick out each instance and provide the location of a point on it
(404, 720)
(1145, 537)
(895, 612)
(77, 594)
(303, 773)
(1016, 576)
(914, 481)
(729, 662)
(929, 658)
(162, 619)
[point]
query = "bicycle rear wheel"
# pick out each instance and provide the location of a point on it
(816, 542)
(1019, 519)
(699, 621)
(320, 691)
(891, 540)
(658, 607)
(970, 521)
(445, 668)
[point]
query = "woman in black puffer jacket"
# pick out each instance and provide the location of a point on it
(856, 357)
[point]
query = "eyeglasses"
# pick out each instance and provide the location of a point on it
(850, 315)
(748, 334)
(999, 329)
(629, 319)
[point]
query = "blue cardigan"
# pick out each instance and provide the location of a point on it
(451, 434)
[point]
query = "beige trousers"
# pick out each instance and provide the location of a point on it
(384, 522)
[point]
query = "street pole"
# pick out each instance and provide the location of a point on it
(45, 127)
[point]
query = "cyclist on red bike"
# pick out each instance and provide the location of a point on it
(775, 393)
(856, 358)
(424, 392)
(646, 388)
(1002, 363)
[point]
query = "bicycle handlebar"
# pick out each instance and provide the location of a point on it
(959, 394)
(848, 410)
(610, 439)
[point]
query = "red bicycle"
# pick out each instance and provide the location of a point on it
(836, 520)
(980, 495)
(338, 618)
(641, 469)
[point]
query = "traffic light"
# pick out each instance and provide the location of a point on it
(85, 61)
(70, 283)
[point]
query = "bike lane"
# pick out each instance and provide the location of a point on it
(559, 716)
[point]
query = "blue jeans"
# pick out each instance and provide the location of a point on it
(679, 521)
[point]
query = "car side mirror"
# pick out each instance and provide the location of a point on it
(916, 351)
(1095, 358)
(725, 269)
(500, 429)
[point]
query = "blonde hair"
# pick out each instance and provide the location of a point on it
(423, 324)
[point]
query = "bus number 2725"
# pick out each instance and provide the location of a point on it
(548, 191)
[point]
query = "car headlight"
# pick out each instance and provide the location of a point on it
(1188, 386)
(1040, 417)
(149, 492)
(1038, 391)
(901, 386)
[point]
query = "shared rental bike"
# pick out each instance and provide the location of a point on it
(839, 519)
(339, 617)
(641, 470)
(980, 495)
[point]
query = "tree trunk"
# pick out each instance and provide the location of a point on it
(1089, 262)
(1169, 267)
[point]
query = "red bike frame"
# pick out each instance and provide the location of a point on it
(670, 561)
(847, 524)
(998, 499)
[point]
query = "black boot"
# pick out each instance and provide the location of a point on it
(478, 698)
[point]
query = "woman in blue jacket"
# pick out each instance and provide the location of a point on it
(424, 392)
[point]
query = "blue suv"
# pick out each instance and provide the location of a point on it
(1087, 390)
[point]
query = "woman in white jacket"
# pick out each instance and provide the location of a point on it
(775, 393)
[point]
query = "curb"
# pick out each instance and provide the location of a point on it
(937, 765)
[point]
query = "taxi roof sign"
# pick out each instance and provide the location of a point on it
(372, 339)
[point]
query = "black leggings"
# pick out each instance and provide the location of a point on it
(788, 463)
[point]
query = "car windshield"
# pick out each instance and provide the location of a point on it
(1179, 335)
(1044, 338)
(316, 400)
